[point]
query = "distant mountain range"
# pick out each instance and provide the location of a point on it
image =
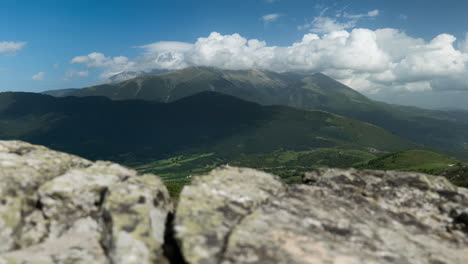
(440, 129)
(208, 122)
(126, 75)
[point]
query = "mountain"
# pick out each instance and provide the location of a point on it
(440, 129)
(61, 92)
(208, 122)
(126, 75)
(264, 87)
(119, 77)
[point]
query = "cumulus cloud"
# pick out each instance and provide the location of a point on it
(367, 60)
(438, 58)
(98, 60)
(270, 18)
(464, 44)
(113, 65)
(40, 76)
(11, 47)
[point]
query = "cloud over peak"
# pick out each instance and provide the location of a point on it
(11, 46)
(367, 60)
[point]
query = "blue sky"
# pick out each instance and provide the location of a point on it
(57, 31)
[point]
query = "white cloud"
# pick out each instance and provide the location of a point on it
(341, 21)
(40, 76)
(326, 24)
(270, 18)
(415, 86)
(98, 60)
(11, 47)
(165, 46)
(464, 44)
(71, 73)
(372, 13)
(438, 58)
(367, 60)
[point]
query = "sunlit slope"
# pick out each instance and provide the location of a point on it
(422, 161)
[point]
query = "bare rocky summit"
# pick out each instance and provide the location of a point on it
(58, 208)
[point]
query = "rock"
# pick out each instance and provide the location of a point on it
(213, 205)
(137, 210)
(23, 169)
(79, 244)
(58, 208)
(79, 193)
(339, 216)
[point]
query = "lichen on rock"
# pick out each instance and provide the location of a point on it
(338, 216)
(58, 208)
(214, 204)
(137, 212)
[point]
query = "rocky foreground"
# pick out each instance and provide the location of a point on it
(59, 208)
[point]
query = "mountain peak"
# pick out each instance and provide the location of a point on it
(321, 75)
(256, 85)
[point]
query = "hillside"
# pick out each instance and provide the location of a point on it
(288, 164)
(440, 129)
(99, 128)
(421, 161)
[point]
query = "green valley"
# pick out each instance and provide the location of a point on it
(421, 161)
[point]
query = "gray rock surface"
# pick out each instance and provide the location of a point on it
(213, 205)
(58, 208)
(339, 216)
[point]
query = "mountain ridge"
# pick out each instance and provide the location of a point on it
(97, 127)
(443, 130)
